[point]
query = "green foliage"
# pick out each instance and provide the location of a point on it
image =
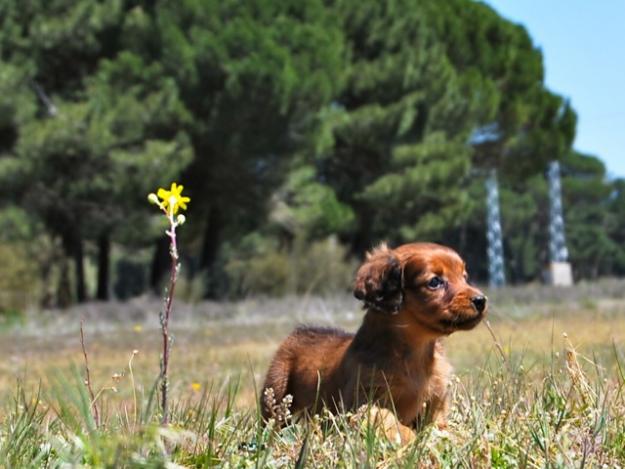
(523, 125)
(423, 79)
(304, 205)
(103, 150)
(406, 119)
(252, 74)
(590, 221)
(525, 215)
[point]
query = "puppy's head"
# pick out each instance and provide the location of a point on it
(426, 282)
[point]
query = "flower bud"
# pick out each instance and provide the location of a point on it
(181, 219)
(152, 198)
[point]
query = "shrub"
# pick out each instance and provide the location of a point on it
(318, 267)
(322, 267)
(20, 284)
(266, 274)
(190, 288)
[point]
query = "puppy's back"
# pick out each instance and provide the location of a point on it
(307, 355)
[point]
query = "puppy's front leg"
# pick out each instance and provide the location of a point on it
(435, 411)
(441, 408)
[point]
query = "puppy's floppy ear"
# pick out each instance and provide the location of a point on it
(379, 281)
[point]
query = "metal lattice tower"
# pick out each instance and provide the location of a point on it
(557, 240)
(496, 272)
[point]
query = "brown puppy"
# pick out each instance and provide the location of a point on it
(413, 295)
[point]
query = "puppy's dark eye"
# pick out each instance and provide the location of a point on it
(435, 283)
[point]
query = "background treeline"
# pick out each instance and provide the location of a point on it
(305, 131)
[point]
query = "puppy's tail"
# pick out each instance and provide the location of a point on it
(274, 402)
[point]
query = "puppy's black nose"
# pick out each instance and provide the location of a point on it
(479, 302)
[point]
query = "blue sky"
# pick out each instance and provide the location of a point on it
(583, 45)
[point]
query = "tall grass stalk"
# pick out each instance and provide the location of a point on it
(94, 404)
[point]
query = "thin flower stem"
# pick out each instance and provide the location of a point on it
(173, 274)
(169, 204)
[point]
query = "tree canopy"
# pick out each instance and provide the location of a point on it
(290, 122)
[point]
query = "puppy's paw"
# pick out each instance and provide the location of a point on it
(385, 422)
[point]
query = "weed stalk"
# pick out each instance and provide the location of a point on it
(94, 405)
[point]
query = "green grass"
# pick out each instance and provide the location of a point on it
(549, 401)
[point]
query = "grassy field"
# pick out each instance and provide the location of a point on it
(548, 393)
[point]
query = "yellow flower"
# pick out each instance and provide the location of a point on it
(172, 199)
(196, 386)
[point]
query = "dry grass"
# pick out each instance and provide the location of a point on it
(553, 402)
(215, 346)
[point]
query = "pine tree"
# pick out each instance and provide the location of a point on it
(100, 126)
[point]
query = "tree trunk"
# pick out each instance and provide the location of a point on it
(362, 240)
(79, 267)
(64, 290)
(210, 244)
(160, 264)
(210, 247)
(104, 260)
